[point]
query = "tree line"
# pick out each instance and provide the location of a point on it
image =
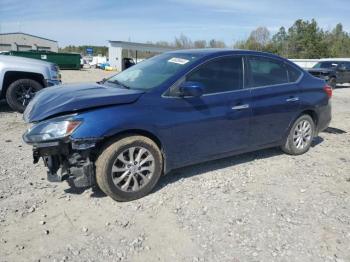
(304, 39)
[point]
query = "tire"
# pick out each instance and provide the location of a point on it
(114, 168)
(332, 83)
(291, 145)
(20, 92)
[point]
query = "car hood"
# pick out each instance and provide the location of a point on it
(320, 70)
(65, 99)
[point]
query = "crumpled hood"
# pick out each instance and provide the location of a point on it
(320, 70)
(71, 98)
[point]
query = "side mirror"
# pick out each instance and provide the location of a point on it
(189, 88)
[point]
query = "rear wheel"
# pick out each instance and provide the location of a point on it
(20, 92)
(129, 168)
(300, 136)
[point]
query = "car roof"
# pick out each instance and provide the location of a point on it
(221, 51)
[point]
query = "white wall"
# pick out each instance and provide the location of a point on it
(115, 57)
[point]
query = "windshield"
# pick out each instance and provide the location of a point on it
(327, 64)
(154, 71)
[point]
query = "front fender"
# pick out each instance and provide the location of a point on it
(109, 121)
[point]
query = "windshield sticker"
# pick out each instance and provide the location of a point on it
(178, 60)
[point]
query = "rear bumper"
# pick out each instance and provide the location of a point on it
(324, 117)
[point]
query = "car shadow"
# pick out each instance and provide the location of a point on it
(198, 169)
(317, 140)
(95, 191)
(333, 130)
(4, 107)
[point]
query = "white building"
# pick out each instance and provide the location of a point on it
(115, 51)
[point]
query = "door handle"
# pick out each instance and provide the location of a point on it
(239, 107)
(292, 99)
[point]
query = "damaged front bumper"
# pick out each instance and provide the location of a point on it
(68, 160)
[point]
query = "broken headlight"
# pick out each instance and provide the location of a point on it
(50, 130)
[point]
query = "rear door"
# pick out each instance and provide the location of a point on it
(275, 98)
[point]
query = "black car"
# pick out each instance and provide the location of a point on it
(333, 71)
(128, 62)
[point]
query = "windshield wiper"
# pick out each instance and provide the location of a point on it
(119, 84)
(102, 81)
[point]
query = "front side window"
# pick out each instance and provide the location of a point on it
(266, 71)
(220, 75)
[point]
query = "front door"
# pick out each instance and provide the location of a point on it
(344, 74)
(215, 123)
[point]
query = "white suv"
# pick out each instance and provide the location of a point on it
(21, 78)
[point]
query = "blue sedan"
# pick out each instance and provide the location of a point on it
(175, 109)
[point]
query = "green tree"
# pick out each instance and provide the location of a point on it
(280, 42)
(306, 40)
(216, 44)
(259, 40)
(338, 42)
(200, 44)
(183, 42)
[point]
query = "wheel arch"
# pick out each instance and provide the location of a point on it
(11, 76)
(141, 132)
(311, 113)
(130, 132)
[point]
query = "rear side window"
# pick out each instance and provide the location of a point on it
(265, 72)
(293, 73)
(220, 75)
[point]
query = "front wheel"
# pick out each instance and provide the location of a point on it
(129, 168)
(300, 136)
(20, 92)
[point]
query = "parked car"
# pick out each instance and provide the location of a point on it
(333, 71)
(128, 62)
(172, 110)
(21, 78)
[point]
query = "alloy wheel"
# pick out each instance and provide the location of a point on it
(24, 94)
(302, 134)
(133, 169)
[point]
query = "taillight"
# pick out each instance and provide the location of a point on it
(328, 90)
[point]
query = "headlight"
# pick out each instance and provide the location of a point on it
(50, 130)
(55, 72)
(54, 68)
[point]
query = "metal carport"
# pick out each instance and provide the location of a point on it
(115, 51)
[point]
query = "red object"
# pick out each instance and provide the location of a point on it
(328, 90)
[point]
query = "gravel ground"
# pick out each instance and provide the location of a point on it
(261, 206)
